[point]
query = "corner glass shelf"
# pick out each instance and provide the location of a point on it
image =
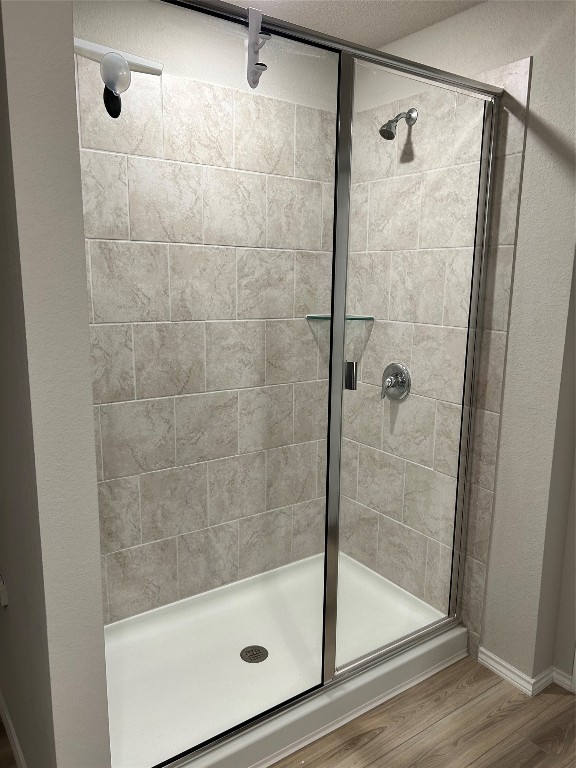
(348, 317)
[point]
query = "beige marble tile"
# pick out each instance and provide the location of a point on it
(358, 234)
(356, 336)
(479, 523)
(327, 216)
(237, 487)
(438, 573)
(321, 463)
(138, 130)
(504, 212)
(265, 417)
(308, 528)
(104, 575)
(417, 286)
(429, 503)
(515, 79)
(235, 208)
(362, 415)
(394, 212)
(447, 438)
(484, 448)
(291, 351)
(137, 437)
(294, 213)
(98, 444)
(169, 359)
(206, 426)
(265, 283)
(207, 559)
(312, 283)
(265, 541)
(448, 216)
(349, 468)
(112, 363)
(234, 354)
(142, 578)
(198, 121)
(358, 532)
(408, 428)
(388, 343)
(119, 508)
(430, 142)
(458, 286)
(310, 411)
(491, 370)
(165, 201)
(473, 594)
(402, 556)
(368, 284)
(202, 282)
(315, 143)
(173, 501)
(129, 282)
(89, 281)
(291, 475)
(381, 481)
(499, 263)
(468, 128)
(372, 156)
(320, 330)
(438, 357)
(263, 134)
(104, 195)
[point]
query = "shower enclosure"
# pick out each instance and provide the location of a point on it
(284, 288)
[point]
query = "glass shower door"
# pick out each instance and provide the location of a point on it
(208, 213)
(415, 174)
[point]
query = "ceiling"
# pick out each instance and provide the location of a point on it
(373, 23)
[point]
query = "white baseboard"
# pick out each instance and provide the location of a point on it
(530, 685)
(564, 679)
(12, 738)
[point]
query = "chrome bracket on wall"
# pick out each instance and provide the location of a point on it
(256, 41)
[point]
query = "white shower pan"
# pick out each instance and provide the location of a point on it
(176, 679)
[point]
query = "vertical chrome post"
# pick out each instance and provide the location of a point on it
(485, 185)
(337, 331)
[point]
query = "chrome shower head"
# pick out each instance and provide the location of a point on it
(388, 130)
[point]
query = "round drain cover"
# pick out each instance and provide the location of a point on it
(254, 654)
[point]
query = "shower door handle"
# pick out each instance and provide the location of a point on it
(350, 374)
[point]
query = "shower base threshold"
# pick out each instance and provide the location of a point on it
(176, 679)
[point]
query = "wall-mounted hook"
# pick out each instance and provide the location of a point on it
(256, 41)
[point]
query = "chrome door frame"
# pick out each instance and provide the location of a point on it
(350, 53)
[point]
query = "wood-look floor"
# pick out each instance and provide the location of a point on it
(464, 716)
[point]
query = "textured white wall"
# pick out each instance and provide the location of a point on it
(69, 650)
(201, 47)
(487, 36)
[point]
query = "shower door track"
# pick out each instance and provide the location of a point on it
(348, 54)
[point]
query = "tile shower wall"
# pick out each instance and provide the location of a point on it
(412, 231)
(208, 223)
(412, 235)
